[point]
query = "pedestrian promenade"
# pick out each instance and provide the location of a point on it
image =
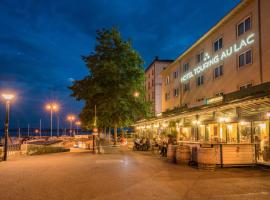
(124, 174)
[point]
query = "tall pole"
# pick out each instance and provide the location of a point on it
(28, 130)
(40, 128)
(58, 125)
(70, 128)
(51, 121)
(6, 131)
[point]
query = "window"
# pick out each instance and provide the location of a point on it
(176, 92)
(243, 87)
(218, 44)
(167, 80)
(218, 71)
(200, 57)
(153, 82)
(167, 96)
(185, 67)
(152, 71)
(244, 26)
(245, 58)
(175, 74)
(153, 95)
(186, 87)
(148, 85)
(200, 80)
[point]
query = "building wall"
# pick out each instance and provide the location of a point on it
(265, 38)
(233, 77)
(153, 83)
(159, 67)
(174, 83)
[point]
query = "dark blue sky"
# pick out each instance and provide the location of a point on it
(41, 43)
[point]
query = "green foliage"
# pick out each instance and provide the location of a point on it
(115, 73)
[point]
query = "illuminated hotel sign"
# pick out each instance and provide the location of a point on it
(209, 62)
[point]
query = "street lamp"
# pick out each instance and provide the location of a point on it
(70, 118)
(7, 98)
(52, 107)
(78, 123)
(136, 94)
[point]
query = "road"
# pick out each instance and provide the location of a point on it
(124, 175)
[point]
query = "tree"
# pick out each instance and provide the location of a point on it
(116, 73)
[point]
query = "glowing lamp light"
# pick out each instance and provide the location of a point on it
(243, 123)
(224, 119)
(71, 118)
(78, 123)
(262, 125)
(268, 114)
(196, 122)
(229, 127)
(36, 131)
(164, 125)
(8, 97)
(155, 125)
(95, 130)
(136, 94)
(52, 106)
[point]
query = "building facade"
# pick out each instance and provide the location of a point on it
(233, 55)
(218, 91)
(153, 83)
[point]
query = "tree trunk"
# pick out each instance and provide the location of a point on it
(109, 131)
(115, 135)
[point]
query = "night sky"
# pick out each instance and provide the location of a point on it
(41, 43)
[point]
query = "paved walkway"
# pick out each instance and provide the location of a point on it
(124, 175)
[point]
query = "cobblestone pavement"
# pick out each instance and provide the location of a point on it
(124, 175)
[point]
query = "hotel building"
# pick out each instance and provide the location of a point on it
(218, 90)
(153, 83)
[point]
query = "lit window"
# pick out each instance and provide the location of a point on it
(244, 26)
(218, 71)
(185, 67)
(218, 44)
(245, 58)
(200, 80)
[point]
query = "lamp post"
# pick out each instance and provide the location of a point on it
(7, 98)
(52, 107)
(70, 118)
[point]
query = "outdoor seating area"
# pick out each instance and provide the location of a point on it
(235, 125)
